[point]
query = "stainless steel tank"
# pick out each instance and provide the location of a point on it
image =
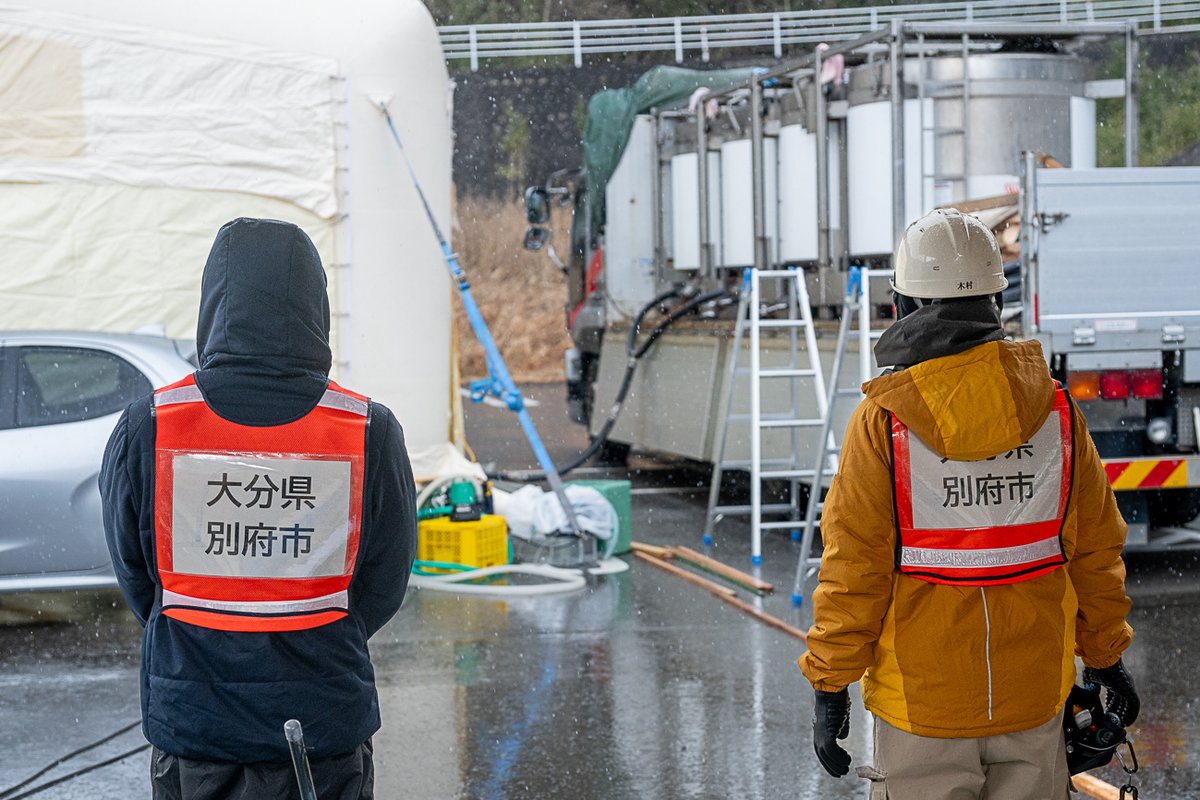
(1015, 101)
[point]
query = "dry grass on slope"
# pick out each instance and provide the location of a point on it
(520, 293)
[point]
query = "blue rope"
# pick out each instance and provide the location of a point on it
(498, 383)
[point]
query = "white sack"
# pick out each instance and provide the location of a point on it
(529, 511)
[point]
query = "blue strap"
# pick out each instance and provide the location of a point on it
(854, 284)
(498, 383)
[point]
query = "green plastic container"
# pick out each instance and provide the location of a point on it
(617, 493)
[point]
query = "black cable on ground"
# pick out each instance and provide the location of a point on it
(7, 794)
(634, 353)
(78, 772)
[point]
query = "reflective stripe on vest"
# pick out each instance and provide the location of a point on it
(257, 528)
(979, 523)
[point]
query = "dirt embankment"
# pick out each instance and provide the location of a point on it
(521, 294)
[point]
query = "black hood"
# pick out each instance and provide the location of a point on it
(937, 330)
(263, 301)
(263, 334)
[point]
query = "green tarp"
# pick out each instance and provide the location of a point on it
(611, 114)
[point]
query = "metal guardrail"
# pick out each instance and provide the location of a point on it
(686, 35)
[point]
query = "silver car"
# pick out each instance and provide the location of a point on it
(61, 394)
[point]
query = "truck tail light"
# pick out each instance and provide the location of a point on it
(1114, 384)
(1084, 385)
(1146, 384)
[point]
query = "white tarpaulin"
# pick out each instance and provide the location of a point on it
(131, 130)
(117, 258)
(122, 151)
(143, 108)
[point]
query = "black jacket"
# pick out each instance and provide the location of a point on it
(263, 340)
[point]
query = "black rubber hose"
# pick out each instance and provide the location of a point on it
(78, 773)
(683, 310)
(8, 794)
(635, 327)
(634, 353)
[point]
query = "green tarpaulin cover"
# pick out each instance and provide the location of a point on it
(611, 114)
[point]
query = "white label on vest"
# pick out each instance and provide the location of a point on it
(259, 517)
(1014, 488)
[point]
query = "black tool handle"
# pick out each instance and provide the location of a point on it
(295, 739)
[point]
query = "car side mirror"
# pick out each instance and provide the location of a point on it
(536, 237)
(537, 206)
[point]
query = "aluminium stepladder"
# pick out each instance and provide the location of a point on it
(791, 420)
(857, 302)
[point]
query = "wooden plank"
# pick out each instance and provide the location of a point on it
(1094, 787)
(764, 617)
(724, 570)
(703, 583)
(653, 550)
(982, 203)
(1049, 161)
(724, 593)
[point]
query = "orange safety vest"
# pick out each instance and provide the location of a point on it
(257, 528)
(980, 523)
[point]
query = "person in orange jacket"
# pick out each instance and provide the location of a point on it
(972, 547)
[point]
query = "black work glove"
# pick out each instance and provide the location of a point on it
(831, 721)
(1122, 698)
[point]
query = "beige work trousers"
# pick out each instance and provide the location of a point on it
(1027, 765)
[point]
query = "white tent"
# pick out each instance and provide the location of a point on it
(131, 130)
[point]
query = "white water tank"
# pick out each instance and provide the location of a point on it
(869, 175)
(629, 274)
(737, 201)
(798, 192)
(685, 205)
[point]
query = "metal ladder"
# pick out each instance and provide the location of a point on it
(857, 302)
(930, 128)
(750, 320)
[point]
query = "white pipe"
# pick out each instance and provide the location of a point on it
(561, 580)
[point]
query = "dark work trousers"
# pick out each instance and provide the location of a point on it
(345, 777)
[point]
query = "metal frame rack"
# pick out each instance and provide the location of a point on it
(900, 44)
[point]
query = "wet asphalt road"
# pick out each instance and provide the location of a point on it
(642, 687)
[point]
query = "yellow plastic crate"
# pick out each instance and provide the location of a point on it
(483, 543)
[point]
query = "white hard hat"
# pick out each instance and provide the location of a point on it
(948, 254)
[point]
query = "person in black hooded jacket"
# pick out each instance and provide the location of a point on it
(214, 701)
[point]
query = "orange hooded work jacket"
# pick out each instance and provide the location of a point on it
(962, 661)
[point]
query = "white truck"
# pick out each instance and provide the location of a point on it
(1111, 288)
